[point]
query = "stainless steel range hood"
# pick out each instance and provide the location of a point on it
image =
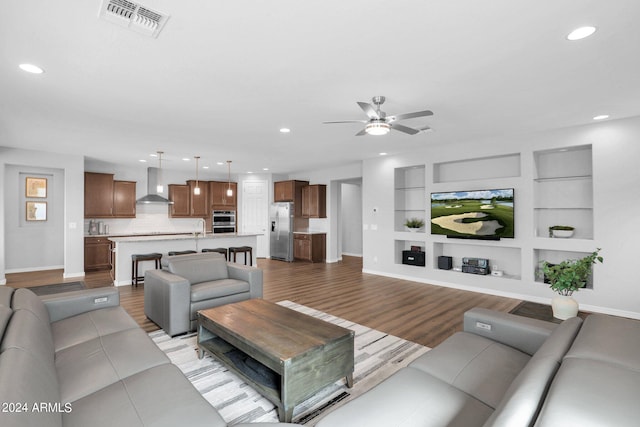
(153, 179)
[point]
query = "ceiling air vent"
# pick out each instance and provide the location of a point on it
(133, 16)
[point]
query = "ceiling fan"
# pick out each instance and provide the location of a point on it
(380, 124)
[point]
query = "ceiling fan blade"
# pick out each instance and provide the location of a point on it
(346, 121)
(362, 132)
(411, 115)
(405, 129)
(369, 110)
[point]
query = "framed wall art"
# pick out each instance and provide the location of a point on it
(36, 187)
(36, 211)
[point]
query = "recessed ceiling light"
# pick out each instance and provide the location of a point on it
(30, 68)
(186, 159)
(265, 169)
(249, 171)
(220, 163)
(142, 161)
(382, 154)
(153, 155)
(285, 130)
(580, 33)
(601, 117)
(205, 167)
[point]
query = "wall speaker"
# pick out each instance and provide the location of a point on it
(445, 262)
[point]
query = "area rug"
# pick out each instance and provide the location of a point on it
(377, 356)
(57, 288)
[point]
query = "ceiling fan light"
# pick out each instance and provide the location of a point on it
(377, 128)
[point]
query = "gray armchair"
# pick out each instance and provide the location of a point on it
(172, 297)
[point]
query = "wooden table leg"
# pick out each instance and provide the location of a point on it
(350, 380)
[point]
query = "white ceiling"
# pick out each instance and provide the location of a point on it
(224, 76)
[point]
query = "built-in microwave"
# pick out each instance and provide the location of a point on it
(224, 221)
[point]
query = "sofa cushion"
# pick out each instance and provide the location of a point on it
(410, 398)
(6, 293)
(610, 339)
(98, 363)
(160, 396)
(26, 332)
(592, 393)
(24, 299)
(476, 365)
(524, 397)
(218, 288)
(25, 379)
(199, 268)
(90, 325)
(5, 315)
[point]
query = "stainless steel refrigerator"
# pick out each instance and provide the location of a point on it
(281, 234)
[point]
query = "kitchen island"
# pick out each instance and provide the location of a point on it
(124, 247)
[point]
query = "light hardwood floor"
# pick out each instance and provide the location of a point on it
(418, 312)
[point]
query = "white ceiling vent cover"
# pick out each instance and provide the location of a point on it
(133, 16)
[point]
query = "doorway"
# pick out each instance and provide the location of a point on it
(255, 213)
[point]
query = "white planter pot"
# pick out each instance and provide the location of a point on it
(562, 233)
(564, 307)
(414, 230)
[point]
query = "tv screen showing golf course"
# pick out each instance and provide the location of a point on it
(482, 214)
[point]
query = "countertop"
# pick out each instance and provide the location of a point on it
(309, 232)
(182, 236)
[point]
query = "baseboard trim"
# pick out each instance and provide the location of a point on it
(30, 269)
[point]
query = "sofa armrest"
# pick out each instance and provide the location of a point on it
(252, 275)
(521, 333)
(167, 298)
(68, 304)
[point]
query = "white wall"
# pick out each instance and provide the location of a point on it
(616, 178)
(72, 200)
(34, 245)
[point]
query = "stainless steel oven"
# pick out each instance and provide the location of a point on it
(224, 221)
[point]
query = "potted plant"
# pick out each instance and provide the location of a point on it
(567, 277)
(561, 231)
(414, 224)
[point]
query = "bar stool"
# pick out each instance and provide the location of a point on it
(242, 249)
(172, 253)
(222, 251)
(137, 258)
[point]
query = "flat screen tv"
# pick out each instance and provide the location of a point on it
(480, 214)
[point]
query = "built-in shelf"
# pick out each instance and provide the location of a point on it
(409, 195)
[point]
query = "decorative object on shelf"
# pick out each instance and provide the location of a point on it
(414, 224)
(567, 277)
(196, 189)
(36, 187)
(562, 231)
(229, 190)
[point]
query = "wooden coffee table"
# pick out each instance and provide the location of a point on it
(286, 355)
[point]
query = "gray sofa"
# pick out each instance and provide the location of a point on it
(78, 359)
(188, 283)
(509, 371)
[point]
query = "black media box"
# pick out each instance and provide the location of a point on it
(445, 262)
(413, 258)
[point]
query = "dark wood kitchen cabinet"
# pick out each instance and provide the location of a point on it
(124, 199)
(97, 253)
(309, 247)
(218, 195)
(290, 191)
(314, 201)
(179, 195)
(199, 203)
(105, 197)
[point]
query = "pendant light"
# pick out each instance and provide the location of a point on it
(196, 190)
(159, 186)
(229, 190)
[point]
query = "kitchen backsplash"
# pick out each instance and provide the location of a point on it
(149, 219)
